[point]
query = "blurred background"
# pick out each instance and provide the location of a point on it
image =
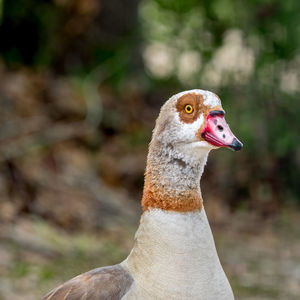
(81, 84)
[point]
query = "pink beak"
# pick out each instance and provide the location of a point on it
(218, 133)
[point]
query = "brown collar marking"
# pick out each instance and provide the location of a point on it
(156, 195)
(184, 202)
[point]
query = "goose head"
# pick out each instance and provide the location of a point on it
(192, 123)
(189, 125)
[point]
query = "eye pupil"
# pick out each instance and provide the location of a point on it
(189, 109)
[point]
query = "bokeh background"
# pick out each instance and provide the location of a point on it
(81, 83)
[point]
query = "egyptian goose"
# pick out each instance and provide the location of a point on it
(174, 255)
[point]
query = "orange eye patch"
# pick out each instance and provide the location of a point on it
(191, 105)
(188, 107)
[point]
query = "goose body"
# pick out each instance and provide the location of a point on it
(175, 258)
(174, 255)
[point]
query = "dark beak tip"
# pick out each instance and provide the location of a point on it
(236, 145)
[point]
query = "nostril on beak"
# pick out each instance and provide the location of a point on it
(220, 127)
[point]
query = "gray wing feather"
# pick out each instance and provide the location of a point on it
(111, 283)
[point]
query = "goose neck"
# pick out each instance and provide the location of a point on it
(171, 181)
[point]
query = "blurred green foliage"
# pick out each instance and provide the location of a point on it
(246, 51)
(65, 36)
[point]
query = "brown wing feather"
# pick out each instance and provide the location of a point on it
(99, 284)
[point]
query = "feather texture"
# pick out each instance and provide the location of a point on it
(107, 283)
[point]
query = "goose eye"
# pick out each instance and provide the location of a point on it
(189, 109)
